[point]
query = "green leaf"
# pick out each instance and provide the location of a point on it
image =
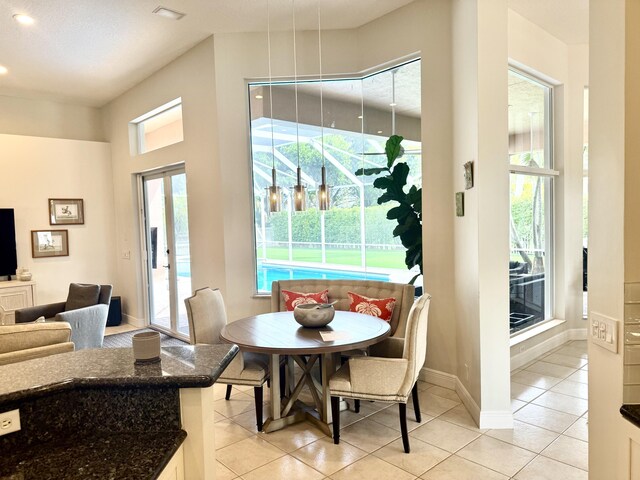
(370, 171)
(399, 212)
(399, 174)
(383, 182)
(393, 149)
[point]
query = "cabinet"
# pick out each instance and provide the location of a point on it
(14, 295)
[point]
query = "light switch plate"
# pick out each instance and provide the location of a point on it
(604, 331)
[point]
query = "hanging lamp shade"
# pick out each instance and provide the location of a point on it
(324, 198)
(274, 193)
(299, 194)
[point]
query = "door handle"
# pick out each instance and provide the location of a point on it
(166, 266)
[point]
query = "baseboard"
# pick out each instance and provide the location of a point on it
(131, 320)
(546, 346)
(494, 419)
(439, 378)
(468, 401)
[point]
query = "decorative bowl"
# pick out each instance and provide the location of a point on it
(314, 315)
(146, 347)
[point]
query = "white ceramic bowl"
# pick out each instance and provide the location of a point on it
(314, 315)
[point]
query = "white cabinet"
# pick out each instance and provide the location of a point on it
(14, 295)
(175, 468)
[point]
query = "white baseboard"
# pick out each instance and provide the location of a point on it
(468, 401)
(494, 419)
(439, 378)
(131, 320)
(549, 344)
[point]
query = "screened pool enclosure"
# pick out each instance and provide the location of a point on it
(353, 239)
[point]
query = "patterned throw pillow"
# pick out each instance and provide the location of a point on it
(376, 307)
(291, 299)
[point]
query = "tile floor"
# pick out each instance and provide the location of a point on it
(549, 440)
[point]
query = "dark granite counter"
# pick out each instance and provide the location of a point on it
(182, 367)
(631, 413)
(94, 414)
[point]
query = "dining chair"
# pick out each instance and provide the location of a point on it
(207, 316)
(386, 379)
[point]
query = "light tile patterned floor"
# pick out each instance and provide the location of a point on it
(549, 439)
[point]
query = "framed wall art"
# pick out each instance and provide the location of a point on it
(66, 211)
(49, 243)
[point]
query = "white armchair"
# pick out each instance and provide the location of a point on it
(386, 379)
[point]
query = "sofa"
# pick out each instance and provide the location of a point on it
(85, 309)
(33, 340)
(402, 292)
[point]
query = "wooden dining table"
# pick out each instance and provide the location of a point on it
(278, 334)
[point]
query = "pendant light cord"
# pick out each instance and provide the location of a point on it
(295, 79)
(273, 148)
(321, 86)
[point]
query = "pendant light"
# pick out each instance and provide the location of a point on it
(323, 188)
(299, 190)
(274, 192)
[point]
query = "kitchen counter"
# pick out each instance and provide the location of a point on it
(94, 414)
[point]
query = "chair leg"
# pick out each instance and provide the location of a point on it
(335, 413)
(403, 427)
(257, 395)
(228, 394)
(356, 405)
(416, 402)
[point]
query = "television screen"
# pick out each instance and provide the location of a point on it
(8, 257)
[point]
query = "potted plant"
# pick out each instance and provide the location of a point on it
(408, 211)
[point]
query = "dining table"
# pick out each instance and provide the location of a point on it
(278, 335)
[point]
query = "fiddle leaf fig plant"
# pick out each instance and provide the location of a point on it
(408, 211)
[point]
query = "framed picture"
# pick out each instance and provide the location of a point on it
(49, 243)
(468, 175)
(66, 211)
(460, 204)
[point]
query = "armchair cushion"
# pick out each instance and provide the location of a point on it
(81, 296)
(87, 325)
(376, 307)
(293, 299)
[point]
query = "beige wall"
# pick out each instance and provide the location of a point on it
(613, 219)
(191, 77)
(35, 169)
(43, 118)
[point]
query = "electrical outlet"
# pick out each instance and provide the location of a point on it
(9, 422)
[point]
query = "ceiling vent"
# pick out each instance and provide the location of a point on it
(167, 13)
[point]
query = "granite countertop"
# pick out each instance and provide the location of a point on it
(631, 413)
(122, 456)
(192, 366)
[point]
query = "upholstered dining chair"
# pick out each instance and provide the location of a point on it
(207, 316)
(386, 379)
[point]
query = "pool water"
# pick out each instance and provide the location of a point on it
(268, 273)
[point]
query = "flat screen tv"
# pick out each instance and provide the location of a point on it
(8, 257)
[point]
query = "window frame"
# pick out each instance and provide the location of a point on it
(137, 125)
(546, 172)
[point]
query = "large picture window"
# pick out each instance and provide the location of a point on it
(353, 239)
(531, 197)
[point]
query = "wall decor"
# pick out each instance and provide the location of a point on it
(468, 175)
(460, 204)
(66, 211)
(49, 243)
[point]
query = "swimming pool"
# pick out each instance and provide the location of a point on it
(267, 273)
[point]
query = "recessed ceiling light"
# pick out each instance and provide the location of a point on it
(392, 104)
(23, 19)
(3, 70)
(168, 13)
(259, 97)
(359, 116)
(379, 131)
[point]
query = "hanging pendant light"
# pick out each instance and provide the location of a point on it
(323, 189)
(299, 190)
(274, 192)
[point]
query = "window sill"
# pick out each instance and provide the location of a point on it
(537, 330)
(261, 295)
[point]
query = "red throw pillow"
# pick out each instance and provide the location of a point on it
(376, 307)
(291, 299)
